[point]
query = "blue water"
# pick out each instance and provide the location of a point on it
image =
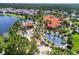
(5, 23)
(30, 20)
(54, 39)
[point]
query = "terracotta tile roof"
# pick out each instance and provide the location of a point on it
(27, 24)
(52, 21)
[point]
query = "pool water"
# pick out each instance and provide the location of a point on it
(54, 39)
(5, 23)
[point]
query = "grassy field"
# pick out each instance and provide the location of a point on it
(75, 42)
(8, 14)
(1, 39)
(20, 16)
(77, 23)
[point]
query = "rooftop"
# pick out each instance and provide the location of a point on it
(27, 24)
(52, 21)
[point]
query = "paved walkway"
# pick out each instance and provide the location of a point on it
(44, 50)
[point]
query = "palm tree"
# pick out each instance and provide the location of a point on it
(77, 51)
(1, 44)
(54, 38)
(60, 51)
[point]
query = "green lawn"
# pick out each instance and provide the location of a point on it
(77, 23)
(1, 39)
(75, 42)
(20, 16)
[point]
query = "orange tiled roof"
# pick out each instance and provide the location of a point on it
(54, 21)
(27, 24)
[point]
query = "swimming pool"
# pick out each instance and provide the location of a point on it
(54, 39)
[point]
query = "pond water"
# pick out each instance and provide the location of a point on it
(5, 23)
(56, 40)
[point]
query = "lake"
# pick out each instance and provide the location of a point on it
(5, 23)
